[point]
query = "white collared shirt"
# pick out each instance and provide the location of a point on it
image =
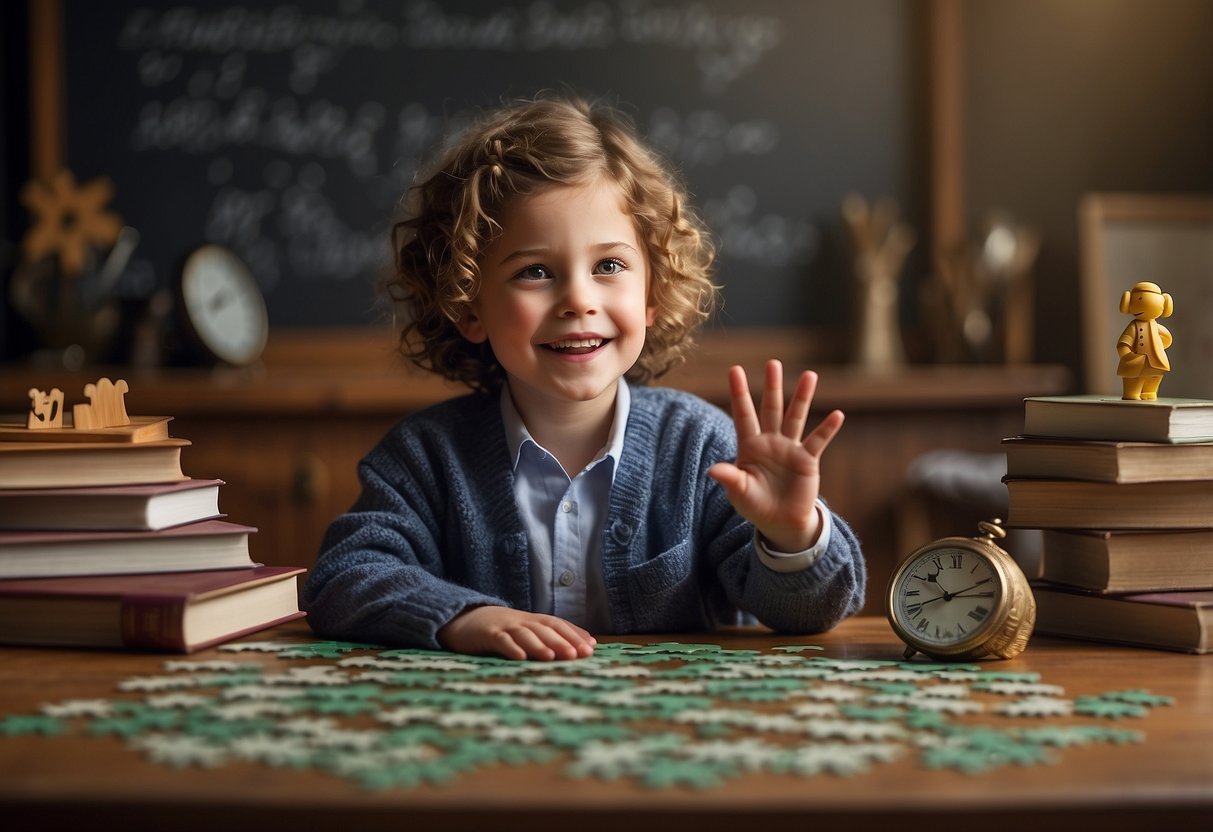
(563, 517)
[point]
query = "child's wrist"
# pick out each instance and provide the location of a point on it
(793, 541)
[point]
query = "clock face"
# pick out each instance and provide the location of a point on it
(946, 596)
(223, 305)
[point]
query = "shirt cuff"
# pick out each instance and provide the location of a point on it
(796, 561)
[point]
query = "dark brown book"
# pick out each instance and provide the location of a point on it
(1179, 621)
(209, 544)
(1079, 504)
(104, 507)
(1106, 461)
(69, 464)
(1128, 561)
(181, 612)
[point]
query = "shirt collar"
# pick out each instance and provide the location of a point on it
(517, 436)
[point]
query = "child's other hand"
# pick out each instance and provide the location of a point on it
(776, 478)
(515, 634)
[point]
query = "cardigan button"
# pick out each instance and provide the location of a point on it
(621, 531)
(509, 547)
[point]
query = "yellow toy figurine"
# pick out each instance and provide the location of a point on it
(1143, 344)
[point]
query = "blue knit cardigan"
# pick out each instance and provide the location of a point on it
(436, 530)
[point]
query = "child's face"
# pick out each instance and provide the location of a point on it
(563, 299)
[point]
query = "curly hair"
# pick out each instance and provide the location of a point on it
(519, 150)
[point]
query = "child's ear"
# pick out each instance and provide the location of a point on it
(650, 315)
(471, 327)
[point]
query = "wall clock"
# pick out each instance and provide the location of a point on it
(222, 306)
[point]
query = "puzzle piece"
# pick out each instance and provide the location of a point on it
(19, 725)
(79, 708)
(749, 753)
(975, 761)
(1098, 706)
(180, 751)
(1139, 697)
(1037, 706)
(841, 759)
(1067, 735)
(612, 760)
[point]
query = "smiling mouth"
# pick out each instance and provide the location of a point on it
(576, 346)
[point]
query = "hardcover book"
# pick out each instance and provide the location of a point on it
(140, 429)
(1128, 561)
(104, 507)
(1167, 620)
(181, 612)
(70, 464)
(1107, 461)
(1079, 504)
(1105, 417)
(209, 544)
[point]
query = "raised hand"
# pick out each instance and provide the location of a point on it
(515, 634)
(776, 477)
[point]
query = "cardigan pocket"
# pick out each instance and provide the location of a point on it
(664, 572)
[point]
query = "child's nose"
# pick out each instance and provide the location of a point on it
(579, 298)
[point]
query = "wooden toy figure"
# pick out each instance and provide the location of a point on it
(106, 407)
(1143, 344)
(46, 409)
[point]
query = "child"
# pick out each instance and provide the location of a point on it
(550, 257)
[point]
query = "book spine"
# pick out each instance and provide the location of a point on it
(150, 622)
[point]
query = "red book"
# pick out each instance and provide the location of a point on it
(181, 612)
(209, 544)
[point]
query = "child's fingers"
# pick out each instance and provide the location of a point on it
(771, 410)
(798, 408)
(817, 441)
(730, 477)
(579, 640)
(534, 646)
(506, 645)
(744, 417)
(556, 645)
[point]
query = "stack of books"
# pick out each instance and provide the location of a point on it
(104, 541)
(1123, 492)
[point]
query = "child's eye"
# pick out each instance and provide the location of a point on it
(610, 266)
(535, 272)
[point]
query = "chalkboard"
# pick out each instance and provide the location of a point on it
(290, 131)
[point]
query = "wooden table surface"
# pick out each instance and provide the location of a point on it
(1166, 782)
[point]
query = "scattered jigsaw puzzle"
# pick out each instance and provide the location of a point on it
(661, 715)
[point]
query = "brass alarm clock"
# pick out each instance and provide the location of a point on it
(961, 598)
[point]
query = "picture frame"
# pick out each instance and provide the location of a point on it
(1167, 239)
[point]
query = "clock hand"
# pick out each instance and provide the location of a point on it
(974, 586)
(948, 596)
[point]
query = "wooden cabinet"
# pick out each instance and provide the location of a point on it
(286, 437)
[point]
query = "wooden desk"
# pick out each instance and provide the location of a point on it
(286, 438)
(1164, 783)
